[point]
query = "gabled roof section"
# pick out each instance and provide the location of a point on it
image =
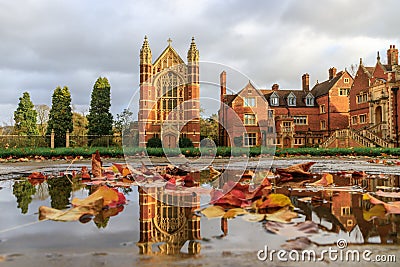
(323, 88)
(309, 95)
(249, 85)
(300, 96)
(166, 52)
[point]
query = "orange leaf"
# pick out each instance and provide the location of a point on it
(107, 194)
(96, 164)
(327, 179)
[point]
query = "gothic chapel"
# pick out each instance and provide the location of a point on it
(169, 105)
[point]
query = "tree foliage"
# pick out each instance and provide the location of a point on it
(123, 122)
(185, 142)
(154, 142)
(100, 119)
(25, 116)
(209, 128)
(80, 123)
(42, 117)
(60, 117)
(23, 191)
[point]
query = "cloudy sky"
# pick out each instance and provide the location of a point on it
(46, 43)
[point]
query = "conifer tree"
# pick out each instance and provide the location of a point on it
(60, 117)
(25, 116)
(100, 119)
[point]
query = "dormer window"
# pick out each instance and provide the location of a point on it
(291, 99)
(274, 100)
(309, 100)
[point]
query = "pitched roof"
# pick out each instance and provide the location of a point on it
(169, 49)
(323, 88)
(283, 94)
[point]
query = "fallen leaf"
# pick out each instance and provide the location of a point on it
(284, 215)
(253, 217)
(96, 164)
(300, 169)
(109, 196)
(272, 201)
(73, 214)
(327, 179)
(391, 207)
(377, 211)
(232, 213)
(36, 175)
(213, 212)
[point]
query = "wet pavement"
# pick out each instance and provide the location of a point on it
(119, 240)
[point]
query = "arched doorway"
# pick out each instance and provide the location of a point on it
(170, 141)
(378, 114)
(287, 142)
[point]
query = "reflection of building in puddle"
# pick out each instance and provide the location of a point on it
(168, 227)
(344, 211)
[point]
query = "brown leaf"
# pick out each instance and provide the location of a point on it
(377, 211)
(284, 215)
(46, 213)
(108, 195)
(96, 164)
(213, 212)
(327, 179)
(300, 169)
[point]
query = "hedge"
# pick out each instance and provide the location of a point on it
(194, 152)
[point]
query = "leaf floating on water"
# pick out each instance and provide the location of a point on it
(327, 179)
(103, 197)
(253, 217)
(213, 212)
(391, 207)
(232, 213)
(96, 164)
(273, 201)
(377, 211)
(284, 215)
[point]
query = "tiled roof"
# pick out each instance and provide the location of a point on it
(323, 88)
(283, 94)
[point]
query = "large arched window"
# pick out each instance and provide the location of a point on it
(169, 88)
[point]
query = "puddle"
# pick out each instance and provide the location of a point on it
(146, 227)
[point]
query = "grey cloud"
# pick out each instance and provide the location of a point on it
(46, 43)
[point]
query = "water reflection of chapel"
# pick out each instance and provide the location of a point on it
(164, 228)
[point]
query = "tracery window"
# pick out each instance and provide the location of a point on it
(169, 88)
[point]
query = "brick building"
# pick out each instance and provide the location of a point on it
(169, 106)
(374, 102)
(301, 117)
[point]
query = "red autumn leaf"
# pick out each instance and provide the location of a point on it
(296, 170)
(96, 164)
(36, 175)
(85, 173)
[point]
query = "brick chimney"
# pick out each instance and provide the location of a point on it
(392, 55)
(275, 87)
(332, 73)
(222, 82)
(306, 81)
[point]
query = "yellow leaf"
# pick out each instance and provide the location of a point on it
(213, 212)
(232, 213)
(273, 201)
(46, 213)
(284, 215)
(253, 217)
(377, 211)
(107, 194)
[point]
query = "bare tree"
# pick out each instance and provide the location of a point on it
(353, 69)
(43, 112)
